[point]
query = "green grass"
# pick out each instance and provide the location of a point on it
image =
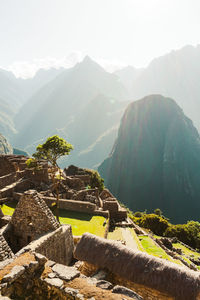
(80, 222)
(186, 251)
(7, 210)
(116, 235)
(151, 248)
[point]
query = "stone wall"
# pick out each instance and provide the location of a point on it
(31, 219)
(146, 292)
(112, 206)
(37, 176)
(5, 166)
(7, 179)
(57, 245)
(72, 205)
(84, 178)
(5, 251)
(116, 211)
(31, 276)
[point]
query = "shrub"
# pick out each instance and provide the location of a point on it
(158, 212)
(31, 163)
(96, 180)
(187, 233)
(155, 223)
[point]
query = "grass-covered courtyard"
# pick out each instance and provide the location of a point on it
(80, 222)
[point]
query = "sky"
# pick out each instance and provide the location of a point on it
(35, 33)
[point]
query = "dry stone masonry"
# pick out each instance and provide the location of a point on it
(75, 191)
(31, 218)
(37, 253)
(5, 251)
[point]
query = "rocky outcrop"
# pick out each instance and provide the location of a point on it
(5, 147)
(155, 161)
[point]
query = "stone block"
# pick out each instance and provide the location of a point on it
(64, 272)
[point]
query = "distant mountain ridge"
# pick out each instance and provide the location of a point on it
(174, 75)
(67, 106)
(155, 161)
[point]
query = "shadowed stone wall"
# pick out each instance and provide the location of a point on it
(57, 245)
(72, 205)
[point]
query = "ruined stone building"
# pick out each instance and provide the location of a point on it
(38, 259)
(34, 226)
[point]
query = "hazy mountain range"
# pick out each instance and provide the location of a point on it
(155, 161)
(68, 101)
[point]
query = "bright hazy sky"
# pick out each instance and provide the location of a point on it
(118, 31)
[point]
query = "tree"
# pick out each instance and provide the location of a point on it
(158, 212)
(51, 151)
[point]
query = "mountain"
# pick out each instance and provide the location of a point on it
(30, 86)
(7, 127)
(174, 75)
(10, 101)
(155, 161)
(128, 75)
(5, 147)
(93, 131)
(10, 91)
(54, 107)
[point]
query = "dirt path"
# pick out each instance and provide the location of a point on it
(130, 242)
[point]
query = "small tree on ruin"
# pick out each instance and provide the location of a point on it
(51, 151)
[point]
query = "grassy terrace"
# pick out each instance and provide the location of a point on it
(80, 222)
(116, 235)
(151, 248)
(186, 251)
(8, 210)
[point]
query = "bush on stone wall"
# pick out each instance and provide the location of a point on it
(32, 163)
(95, 180)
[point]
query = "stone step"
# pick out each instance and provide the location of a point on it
(8, 190)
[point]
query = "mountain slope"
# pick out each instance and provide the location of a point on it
(93, 131)
(155, 161)
(10, 91)
(53, 107)
(30, 86)
(174, 75)
(128, 75)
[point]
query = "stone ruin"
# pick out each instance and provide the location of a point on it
(37, 257)
(75, 191)
(34, 227)
(35, 250)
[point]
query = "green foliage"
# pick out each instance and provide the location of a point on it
(155, 223)
(158, 212)
(53, 149)
(187, 233)
(138, 214)
(96, 180)
(32, 163)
